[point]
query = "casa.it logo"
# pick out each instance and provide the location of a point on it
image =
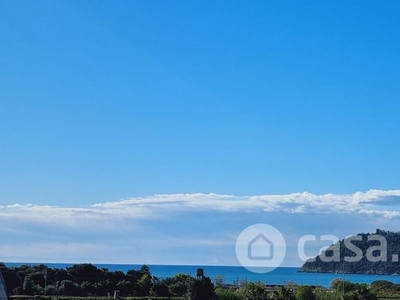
(260, 248)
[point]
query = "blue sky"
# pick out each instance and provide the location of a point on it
(105, 102)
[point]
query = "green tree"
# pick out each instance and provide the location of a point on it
(87, 288)
(199, 273)
(144, 285)
(363, 293)
(253, 291)
(86, 272)
(28, 286)
(382, 287)
(201, 289)
(305, 292)
(145, 269)
(133, 275)
(219, 281)
(323, 294)
(283, 293)
(340, 285)
(179, 285)
(227, 294)
(160, 289)
(125, 288)
(69, 288)
(51, 290)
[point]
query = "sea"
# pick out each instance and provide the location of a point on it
(237, 274)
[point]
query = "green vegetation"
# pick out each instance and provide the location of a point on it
(87, 282)
(305, 292)
(253, 291)
(364, 253)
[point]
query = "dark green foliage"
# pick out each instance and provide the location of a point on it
(178, 289)
(201, 288)
(352, 291)
(283, 293)
(86, 272)
(305, 292)
(226, 294)
(87, 280)
(199, 273)
(363, 293)
(178, 285)
(77, 280)
(253, 291)
(70, 288)
(87, 288)
(160, 289)
(385, 287)
(340, 285)
(359, 295)
(219, 281)
(145, 269)
(13, 282)
(50, 290)
(323, 294)
(144, 285)
(125, 287)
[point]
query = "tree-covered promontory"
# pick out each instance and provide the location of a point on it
(364, 253)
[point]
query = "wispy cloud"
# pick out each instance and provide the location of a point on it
(316, 203)
(157, 228)
(159, 205)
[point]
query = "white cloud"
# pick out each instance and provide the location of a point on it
(384, 213)
(157, 228)
(160, 205)
(208, 202)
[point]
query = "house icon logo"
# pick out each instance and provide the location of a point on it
(260, 248)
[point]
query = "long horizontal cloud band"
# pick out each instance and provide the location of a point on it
(373, 202)
(183, 228)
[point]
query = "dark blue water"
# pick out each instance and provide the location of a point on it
(231, 274)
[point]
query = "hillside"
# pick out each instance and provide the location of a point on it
(365, 253)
